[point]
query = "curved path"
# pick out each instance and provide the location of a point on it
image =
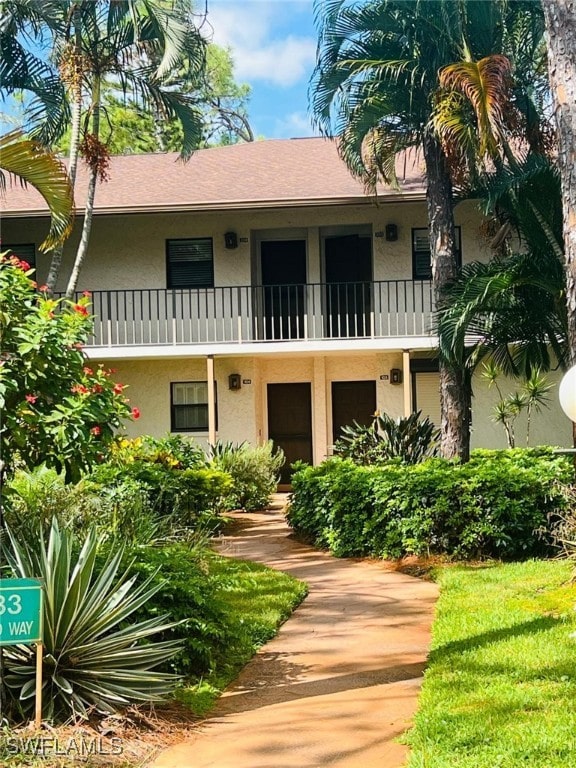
(338, 684)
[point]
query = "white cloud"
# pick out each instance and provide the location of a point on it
(294, 125)
(257, 53)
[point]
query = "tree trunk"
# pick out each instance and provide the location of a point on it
(76, 88)
(560, 16)
(89, 209)
(455, 388)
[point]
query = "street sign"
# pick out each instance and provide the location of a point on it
(20, 611)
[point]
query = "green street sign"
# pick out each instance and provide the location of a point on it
(20, 611)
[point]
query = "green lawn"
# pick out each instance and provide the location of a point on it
(255, 600)
(500, 689)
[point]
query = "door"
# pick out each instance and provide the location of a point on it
(283, 279)
(352, 401)
(290, 422)
(348, 261)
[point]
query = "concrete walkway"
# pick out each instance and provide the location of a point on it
(338, 684)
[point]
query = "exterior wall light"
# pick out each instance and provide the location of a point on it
(231, 240)
(234, 382)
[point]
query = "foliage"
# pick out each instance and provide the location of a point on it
(94, 658)
(173, 476)
(532, 397)
(409, 438)
(57, 410)
(499, 686)
(33, 164)
(500, 504)
(254, 471)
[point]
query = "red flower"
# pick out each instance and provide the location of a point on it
(79, 389)
(24, 265)
(118, 389)
(95, 430)
(31, 398)
(87, 294)
(80, 309)
(97, 388)
(43, 288)
(135, 413)
(87, 371)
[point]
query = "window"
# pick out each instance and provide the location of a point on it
(421, 267)
(189, 406)
(24, 251)
(190, 263)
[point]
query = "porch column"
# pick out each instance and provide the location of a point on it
(211, 400)
(319, 411)
(407, 382)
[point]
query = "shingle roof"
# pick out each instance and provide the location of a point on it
(270, 173)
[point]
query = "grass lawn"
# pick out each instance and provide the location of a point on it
(255, 600)
(500, 689)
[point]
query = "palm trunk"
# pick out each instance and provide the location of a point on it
(89, 210)
(560, 16)
(455, 385)
(56, 260)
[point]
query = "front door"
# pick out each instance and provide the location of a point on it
(352, 401)
(348, 261)
(283, 281)
(290, 423)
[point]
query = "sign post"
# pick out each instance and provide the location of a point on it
(21, 623)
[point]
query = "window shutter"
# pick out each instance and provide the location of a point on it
(190, 263)
(421, 265)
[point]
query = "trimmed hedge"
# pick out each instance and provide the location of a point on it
(500, 504)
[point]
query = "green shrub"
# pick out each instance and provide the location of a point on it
(94, 656)
(254, 471)
(185, 589)
(410, 439)
(501, 504)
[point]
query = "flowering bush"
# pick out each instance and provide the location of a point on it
(57, 409)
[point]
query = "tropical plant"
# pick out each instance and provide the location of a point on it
(410, 439)
(57, 410)
(561, 29)
(94, 659)
(98, 42)
(31, 163)
(375, 87)
(254, 471)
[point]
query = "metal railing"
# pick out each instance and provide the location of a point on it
(161, 316)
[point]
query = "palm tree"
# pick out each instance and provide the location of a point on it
(115, 42)
(31, 163)
(561, 33)
(376, 88)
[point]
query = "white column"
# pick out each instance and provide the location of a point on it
(407, 382)
(211, 400)
(319, 411)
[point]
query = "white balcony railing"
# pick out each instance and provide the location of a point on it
(393, 308)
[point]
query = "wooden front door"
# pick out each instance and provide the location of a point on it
(290, 423)
(352, 401)
(283, 281)
(348, 262)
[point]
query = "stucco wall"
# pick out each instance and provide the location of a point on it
(128, 251)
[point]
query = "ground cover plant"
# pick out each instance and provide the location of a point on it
(501, 680)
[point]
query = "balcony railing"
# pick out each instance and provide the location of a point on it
(392, 308)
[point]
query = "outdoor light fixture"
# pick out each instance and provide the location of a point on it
(567, 394)
(391, 232)
(234, 382)
(396, 376)
(231, 240)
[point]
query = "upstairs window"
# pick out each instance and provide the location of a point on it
(24, 251)
(190, 263)
(189, 406)
(421, 264)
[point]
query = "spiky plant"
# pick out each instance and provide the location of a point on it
(94, 659)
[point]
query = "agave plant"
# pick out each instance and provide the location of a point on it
(410, 438)
(94, 660)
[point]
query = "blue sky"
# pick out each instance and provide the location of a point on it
(273, 44)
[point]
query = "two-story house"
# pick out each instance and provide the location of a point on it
(258, 292)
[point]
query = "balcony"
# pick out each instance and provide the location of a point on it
(272, 313)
